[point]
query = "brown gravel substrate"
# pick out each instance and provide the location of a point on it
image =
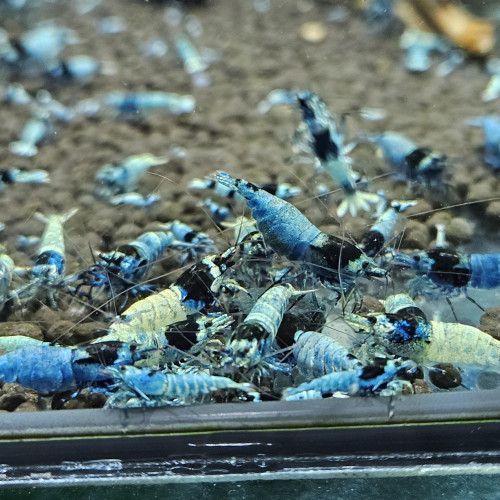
(350, 68)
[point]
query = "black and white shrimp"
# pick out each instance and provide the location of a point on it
(289, 233)
(252, 340)
(325, 140)
(149, 388)
(144, 322)
(411, 162)
(198, 242)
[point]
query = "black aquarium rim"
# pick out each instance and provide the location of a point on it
(439, 433)
(334, 412)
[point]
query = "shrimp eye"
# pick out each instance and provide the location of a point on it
(416, 258)
(365, 264)
(372, 319)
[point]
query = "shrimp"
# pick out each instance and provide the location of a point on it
(252, 339)
(145, 321)
(317, 354)
(404, 331)
(49, 268)
(289, 233)
(326, 141)
(369, 379)
(156, 388)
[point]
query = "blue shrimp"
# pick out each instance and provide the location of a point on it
(218, 212)
(48, 271)
(46, 41)
(32, 134)
(48, 369)
(369, 379)
(144, 322)
(119, 271)
(194, 64)
(491, 126)
(446, 271)
(317, 354)
(289, 233)
(156, 388)
(419, 46)
(253, 339)
(138, 102)
(79, 67)
(135, 199)
(326, 141)
(117, 179)
(411, 162)
(197, 241)
(15, 175)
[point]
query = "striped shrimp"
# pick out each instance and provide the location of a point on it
(289, 233)
(253, 339)
(404, 331)
(317, 354)
(325, 140)
(369, 379)
(144, 322)
(121, 270)
(156, 388)
(48, 272)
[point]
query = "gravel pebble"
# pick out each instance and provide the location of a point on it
(26, 329)
(490, 322)
(459, 230)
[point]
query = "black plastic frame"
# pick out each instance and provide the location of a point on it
(248, 439)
